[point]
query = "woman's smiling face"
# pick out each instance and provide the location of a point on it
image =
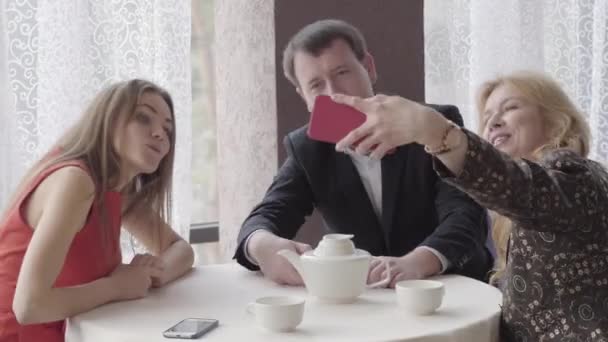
(512, 123)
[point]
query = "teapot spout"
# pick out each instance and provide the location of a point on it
(294, 260)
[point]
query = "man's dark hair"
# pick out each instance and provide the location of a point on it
(319, 35)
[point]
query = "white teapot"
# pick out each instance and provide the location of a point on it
(335, 271)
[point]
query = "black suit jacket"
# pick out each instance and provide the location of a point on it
(417, 207)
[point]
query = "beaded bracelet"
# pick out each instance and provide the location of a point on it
(443, 148)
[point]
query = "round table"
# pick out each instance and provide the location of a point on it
(470, 312)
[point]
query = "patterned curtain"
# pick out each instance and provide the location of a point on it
(56, 55)
(470, 41)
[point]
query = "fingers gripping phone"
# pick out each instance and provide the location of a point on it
(191, 328)
(331, 121)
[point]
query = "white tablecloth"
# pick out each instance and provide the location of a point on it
(470, 312)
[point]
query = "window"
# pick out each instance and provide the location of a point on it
(204, 149)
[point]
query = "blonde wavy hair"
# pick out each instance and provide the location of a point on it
(565, 126)
(90, 141)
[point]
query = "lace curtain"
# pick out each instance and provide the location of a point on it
(468, 42)
(56, 55)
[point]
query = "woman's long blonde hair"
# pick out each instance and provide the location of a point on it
(91, 139)
(565, 126)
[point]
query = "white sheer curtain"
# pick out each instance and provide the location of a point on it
(55, 55)
(468, 42)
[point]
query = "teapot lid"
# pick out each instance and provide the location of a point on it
(335, 245)
(357, 254)
(337, 237)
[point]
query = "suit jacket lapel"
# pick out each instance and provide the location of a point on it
(392, 173)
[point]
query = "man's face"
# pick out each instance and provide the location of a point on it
(335, 70)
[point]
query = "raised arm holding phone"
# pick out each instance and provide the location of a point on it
(529, 166)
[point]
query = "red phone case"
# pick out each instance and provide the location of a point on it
(331, 121)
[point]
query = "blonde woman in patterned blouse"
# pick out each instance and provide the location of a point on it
(530, 167)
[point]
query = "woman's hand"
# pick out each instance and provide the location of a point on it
(133, 281)
(391, 121)
(148, 260)
(155, 262)
(171, 255)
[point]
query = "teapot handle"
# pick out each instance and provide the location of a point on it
(386, 280)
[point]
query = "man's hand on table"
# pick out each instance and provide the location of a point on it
(418, 264)
(263, 247)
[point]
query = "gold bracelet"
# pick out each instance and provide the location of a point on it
(443, 148)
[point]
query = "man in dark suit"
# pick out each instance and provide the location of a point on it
(396, 207)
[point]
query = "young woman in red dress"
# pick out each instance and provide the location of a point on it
(59, 236)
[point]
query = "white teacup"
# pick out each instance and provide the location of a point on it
(280, 313)
(421, 297)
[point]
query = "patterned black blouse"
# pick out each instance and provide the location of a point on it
(555, 287)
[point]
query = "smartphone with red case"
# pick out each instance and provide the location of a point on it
(331, 121)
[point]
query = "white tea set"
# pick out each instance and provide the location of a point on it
(336, 272)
